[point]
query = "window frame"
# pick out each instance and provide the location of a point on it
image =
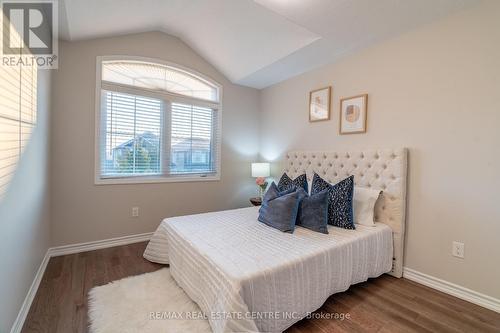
(165, 96)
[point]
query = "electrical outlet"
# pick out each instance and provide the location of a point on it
(458, 250)
(135, 211)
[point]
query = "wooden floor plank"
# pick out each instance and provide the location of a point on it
(381, 305)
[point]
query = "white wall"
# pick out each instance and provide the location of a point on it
(436, 91)
(24, 215)
(82, 211)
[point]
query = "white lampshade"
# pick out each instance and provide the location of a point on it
(261, 170)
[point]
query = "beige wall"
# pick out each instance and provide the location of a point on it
(82, 211)
(24, 214)
(435, 90)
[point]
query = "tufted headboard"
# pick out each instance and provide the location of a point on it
(378, 169)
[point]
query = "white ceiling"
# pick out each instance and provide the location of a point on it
(257, 42)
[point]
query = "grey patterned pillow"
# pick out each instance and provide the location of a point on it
(340, 200)
(287, 183)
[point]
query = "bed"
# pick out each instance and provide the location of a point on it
(246, 276)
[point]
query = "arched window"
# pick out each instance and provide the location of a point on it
(155, 122)
(158, 77)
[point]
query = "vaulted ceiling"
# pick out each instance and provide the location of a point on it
(257, 43)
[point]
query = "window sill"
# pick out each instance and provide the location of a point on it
(154, 180)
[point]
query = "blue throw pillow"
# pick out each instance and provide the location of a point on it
(287, 183)
(313, 211)
(340, 211)
(279, 209)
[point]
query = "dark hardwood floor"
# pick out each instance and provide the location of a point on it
(385, 304)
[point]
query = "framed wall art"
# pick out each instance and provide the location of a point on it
(353, 114)
(319, 104)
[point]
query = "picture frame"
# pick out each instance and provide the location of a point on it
(320, 101)
(353, 114)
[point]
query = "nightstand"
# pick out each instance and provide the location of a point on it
(256, 201)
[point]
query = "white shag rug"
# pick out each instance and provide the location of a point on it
(151, 302)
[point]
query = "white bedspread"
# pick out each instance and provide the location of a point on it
(246, 276)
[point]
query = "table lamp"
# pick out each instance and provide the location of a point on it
(260, 171)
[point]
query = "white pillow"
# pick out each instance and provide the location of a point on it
(364, 205)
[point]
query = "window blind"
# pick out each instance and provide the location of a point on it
(193, 139)
(132, 140)
(18, 107)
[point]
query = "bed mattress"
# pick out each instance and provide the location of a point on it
(246, 276)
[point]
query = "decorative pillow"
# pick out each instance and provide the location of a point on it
(364, 205)
(313, 211)
(279, 209)
(287, 183)
(340, 211)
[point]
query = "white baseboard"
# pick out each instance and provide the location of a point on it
(453, 289)
(63, 250)
(25, 307)
(100, 244)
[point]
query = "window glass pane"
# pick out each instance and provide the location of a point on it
(191, 139)
(132, 126)
(158, 77)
